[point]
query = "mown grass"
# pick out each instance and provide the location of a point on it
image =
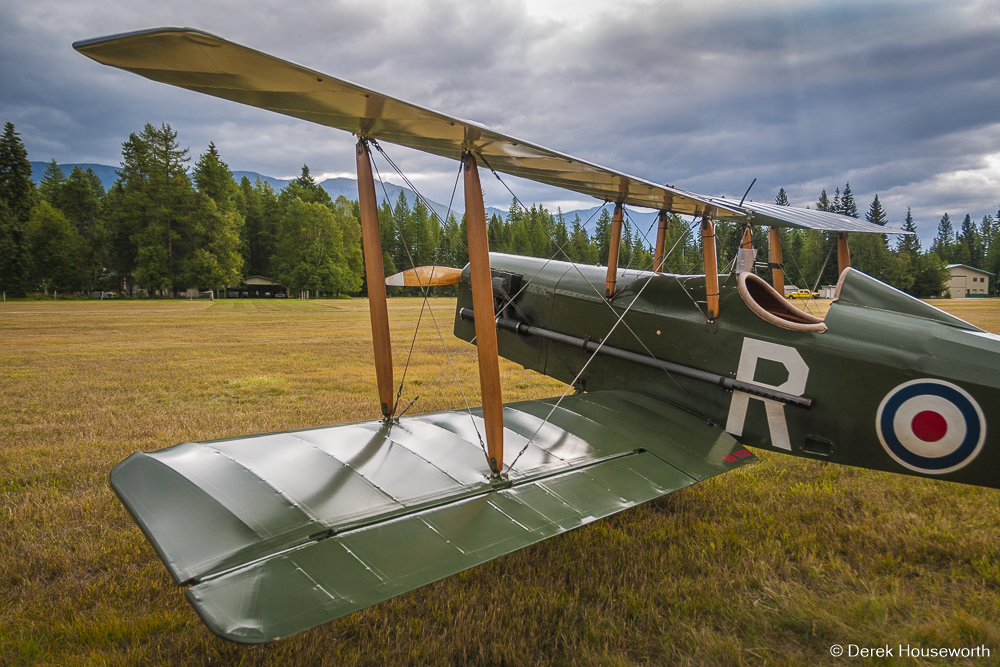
(767, 565)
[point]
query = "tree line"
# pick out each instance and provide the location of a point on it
(164, 227)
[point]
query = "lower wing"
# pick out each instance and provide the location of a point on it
(281, 532)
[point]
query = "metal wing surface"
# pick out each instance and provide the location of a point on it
(208, 64)
(278, 533)
(773, 215)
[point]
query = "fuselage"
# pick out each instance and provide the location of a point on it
(893, 383)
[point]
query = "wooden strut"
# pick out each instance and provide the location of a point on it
(777, 267)
(747, 244)
(843, 253)
(711, 267)
(375, 274)
(613, 247)
(482, 302)
(661, 241)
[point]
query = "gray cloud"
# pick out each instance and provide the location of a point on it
(900, 98)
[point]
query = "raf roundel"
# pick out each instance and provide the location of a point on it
(931, 426)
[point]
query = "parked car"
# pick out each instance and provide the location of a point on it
(279, 295)
(802, 294)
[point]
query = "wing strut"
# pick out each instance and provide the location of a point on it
(613, 247)
(372, 241)
(745, 257)
(661, 241)
(777, 268)
(482, 302)
(843, 253)
(711, 267)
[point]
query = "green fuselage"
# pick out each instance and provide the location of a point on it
(894, 383)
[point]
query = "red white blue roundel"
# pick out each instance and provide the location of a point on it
(931, 426)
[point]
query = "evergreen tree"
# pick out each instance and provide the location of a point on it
(969, 245)
(17, 197)
(876, 214)
(782, 198)
(259, 206)
(602, 236)
(824, 203)
(16, 188)
(909, 244)
(870, 252)
(152, 205)
(943, 245)
(580, 248)
(214, 179)
(991, 234)
(216, 259)
(50, 187)
(305, 188)
(847, 205)
(82, 201)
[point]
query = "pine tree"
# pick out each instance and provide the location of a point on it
(969, 244)
(824, 203)
(580, 249)
(151, 210)
(305, 188)
(259, 207)
(992, 263)
(50, 187)
(876, 214)
(16, 187)
(847, 205)
(215, 259)
(560, 237)
(82, 201)
(17, 197)
(214, 179)
(782, 198)
(943, 245)
(602, 236)
(909, 244)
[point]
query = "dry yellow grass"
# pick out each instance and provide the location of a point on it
(768, 565)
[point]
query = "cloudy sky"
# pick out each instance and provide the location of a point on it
(898, 98)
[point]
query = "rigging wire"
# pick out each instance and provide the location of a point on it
(425, 291)
(621, 318)
(424, 303)
(599, 293)
(509, 301)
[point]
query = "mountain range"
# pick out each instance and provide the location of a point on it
(334, 186)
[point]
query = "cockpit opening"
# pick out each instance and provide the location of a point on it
(772, 307)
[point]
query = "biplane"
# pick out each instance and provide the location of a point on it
(672, 377)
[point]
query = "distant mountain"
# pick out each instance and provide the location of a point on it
(108, 175)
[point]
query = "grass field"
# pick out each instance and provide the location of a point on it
(771, 564)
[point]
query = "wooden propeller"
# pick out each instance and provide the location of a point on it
(425, 276)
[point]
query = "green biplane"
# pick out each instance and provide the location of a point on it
(674, 375)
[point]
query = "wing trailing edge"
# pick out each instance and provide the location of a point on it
(278, 533)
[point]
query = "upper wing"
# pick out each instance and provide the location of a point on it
(281, 532)
(773, 215)
(208, 64)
